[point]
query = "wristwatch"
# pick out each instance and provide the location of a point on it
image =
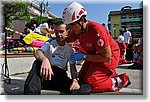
(85, 56)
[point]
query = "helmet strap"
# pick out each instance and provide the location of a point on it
(82, 28)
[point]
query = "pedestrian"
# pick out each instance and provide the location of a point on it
(122, 47)
(120, 37)
(46, 28)
(33, 27)
(127, 36)
(27, 29)
(101, 51)
(49, 69)
(127, 39)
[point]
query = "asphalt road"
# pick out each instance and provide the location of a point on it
(19, 67)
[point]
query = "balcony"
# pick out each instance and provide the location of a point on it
(131, 20)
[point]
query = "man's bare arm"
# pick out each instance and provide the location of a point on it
(75, 84)
(73, 71)
(102, 56)
(46, 70)
(39, 55)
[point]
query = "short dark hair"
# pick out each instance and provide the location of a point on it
(121, 32)
(61, 23)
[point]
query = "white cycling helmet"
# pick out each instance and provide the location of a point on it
(120, 39)
(73, 12)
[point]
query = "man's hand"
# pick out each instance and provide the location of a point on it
(77, 57)
(46, 70)
(75, 85)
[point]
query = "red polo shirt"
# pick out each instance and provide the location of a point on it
(95, 39)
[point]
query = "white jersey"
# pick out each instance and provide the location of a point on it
(57, 55)
(127, 36)
(43, 28)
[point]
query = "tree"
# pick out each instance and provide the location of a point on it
(44, 19)
(16, 10)
(13, 9)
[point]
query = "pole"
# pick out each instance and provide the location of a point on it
(41, 13)
(5, 69)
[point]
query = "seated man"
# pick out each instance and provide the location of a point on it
(138, 56)
(49, 69)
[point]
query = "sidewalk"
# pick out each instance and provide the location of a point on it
(18, 74)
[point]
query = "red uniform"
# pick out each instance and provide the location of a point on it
(98, 75)
(122, 47)
(140, 58)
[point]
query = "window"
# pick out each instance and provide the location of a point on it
(123, 17)
(140, 15)
(131, 25)
(130, 16)
(134, 16)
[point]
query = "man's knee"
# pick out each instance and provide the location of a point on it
(33, 80)
(37, 63)
(98, 84)
(36, 66)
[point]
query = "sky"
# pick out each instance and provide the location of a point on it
(97, 10)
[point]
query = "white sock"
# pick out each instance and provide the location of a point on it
(119, 81)
(113, 84)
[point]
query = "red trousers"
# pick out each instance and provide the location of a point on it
(140, 59)
(99, 75)
(122, 61)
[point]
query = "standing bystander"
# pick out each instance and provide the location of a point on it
(127, 36)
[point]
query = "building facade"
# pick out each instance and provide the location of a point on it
(126, 17)
(35, 9)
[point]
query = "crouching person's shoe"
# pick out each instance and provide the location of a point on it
(120, 81)
(85, 89)
(123, 81)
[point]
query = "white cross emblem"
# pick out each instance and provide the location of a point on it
(100, 42)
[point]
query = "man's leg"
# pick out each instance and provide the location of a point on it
(59, 81)
(99, 78)
(82, 73)
(33, 82)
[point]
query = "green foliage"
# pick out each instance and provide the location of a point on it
(13, 9)
(16, 9)
(58, 19)
(44, 20)
(37, 20)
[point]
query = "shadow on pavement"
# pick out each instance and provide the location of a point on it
(17, 85)
(15, 88)
(128, 66)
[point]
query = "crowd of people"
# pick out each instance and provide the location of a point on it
(131, 50)
(79, 39)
